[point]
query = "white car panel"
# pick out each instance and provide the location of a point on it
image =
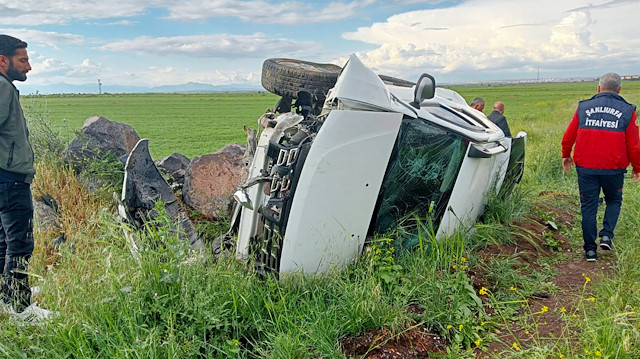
(337, 190)
(467, 200)
(359, 86)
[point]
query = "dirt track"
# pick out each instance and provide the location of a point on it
(546, 312)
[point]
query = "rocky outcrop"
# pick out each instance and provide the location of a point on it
(99, 137)
(175, 165)
(211, 179)
(46, 213)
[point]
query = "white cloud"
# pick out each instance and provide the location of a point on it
(468, 40)
(122, 23)
(218, 45)
(47, 38)
(505, 38)
(47, 70)
(42, 67)
(262, 11)
(36, 12)
(53, 71)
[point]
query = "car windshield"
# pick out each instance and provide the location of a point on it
(421, 174)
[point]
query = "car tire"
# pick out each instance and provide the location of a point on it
(285, 77)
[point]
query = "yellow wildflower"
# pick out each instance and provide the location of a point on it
(513, 288)
(449, 326)
(587, 279)
(544, 309)
(593, 299)
(482, 291)
(598, 354)
(563, 309)
(515, 346)
(477, 342)
(463, 259)
(460, 327)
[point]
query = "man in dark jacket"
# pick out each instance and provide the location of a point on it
(477, 103)
(604, 130)
(497, 117)
(16, 173)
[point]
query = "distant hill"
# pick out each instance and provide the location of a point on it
(194, 87)
(191, 87)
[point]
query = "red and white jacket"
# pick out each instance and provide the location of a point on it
(604, 130)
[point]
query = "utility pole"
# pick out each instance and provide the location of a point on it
(538, 73)
(99, 87)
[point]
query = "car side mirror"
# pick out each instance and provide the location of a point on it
(425, 89)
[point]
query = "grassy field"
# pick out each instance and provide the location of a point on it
(191, 124)
(197, 124)
(166, 304)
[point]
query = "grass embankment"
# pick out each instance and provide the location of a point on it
(171, 304)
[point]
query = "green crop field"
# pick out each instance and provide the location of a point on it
(191, 124)
(162, 301)
(197, 124)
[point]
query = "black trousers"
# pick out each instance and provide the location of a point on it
(16, 243)
(590, 186)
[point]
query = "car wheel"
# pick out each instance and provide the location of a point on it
(285, 77)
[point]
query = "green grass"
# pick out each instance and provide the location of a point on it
(191, 124)
(171, 304)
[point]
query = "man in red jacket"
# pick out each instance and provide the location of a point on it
(604, 130)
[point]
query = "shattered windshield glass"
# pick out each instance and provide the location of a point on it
(421, 174)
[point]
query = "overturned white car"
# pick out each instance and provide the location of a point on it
(356, 161)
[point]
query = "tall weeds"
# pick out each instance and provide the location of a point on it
(171, 302)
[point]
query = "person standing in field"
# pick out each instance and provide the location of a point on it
(497, 117)
(477, 103)
(16, 173)
(604, 130)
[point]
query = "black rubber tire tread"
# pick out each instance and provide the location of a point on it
(285, 77)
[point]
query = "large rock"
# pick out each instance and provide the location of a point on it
(175, 165)
(98, 137)
(211, 180)
(144, 186)
(46, 214)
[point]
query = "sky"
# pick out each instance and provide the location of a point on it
(169, 42)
